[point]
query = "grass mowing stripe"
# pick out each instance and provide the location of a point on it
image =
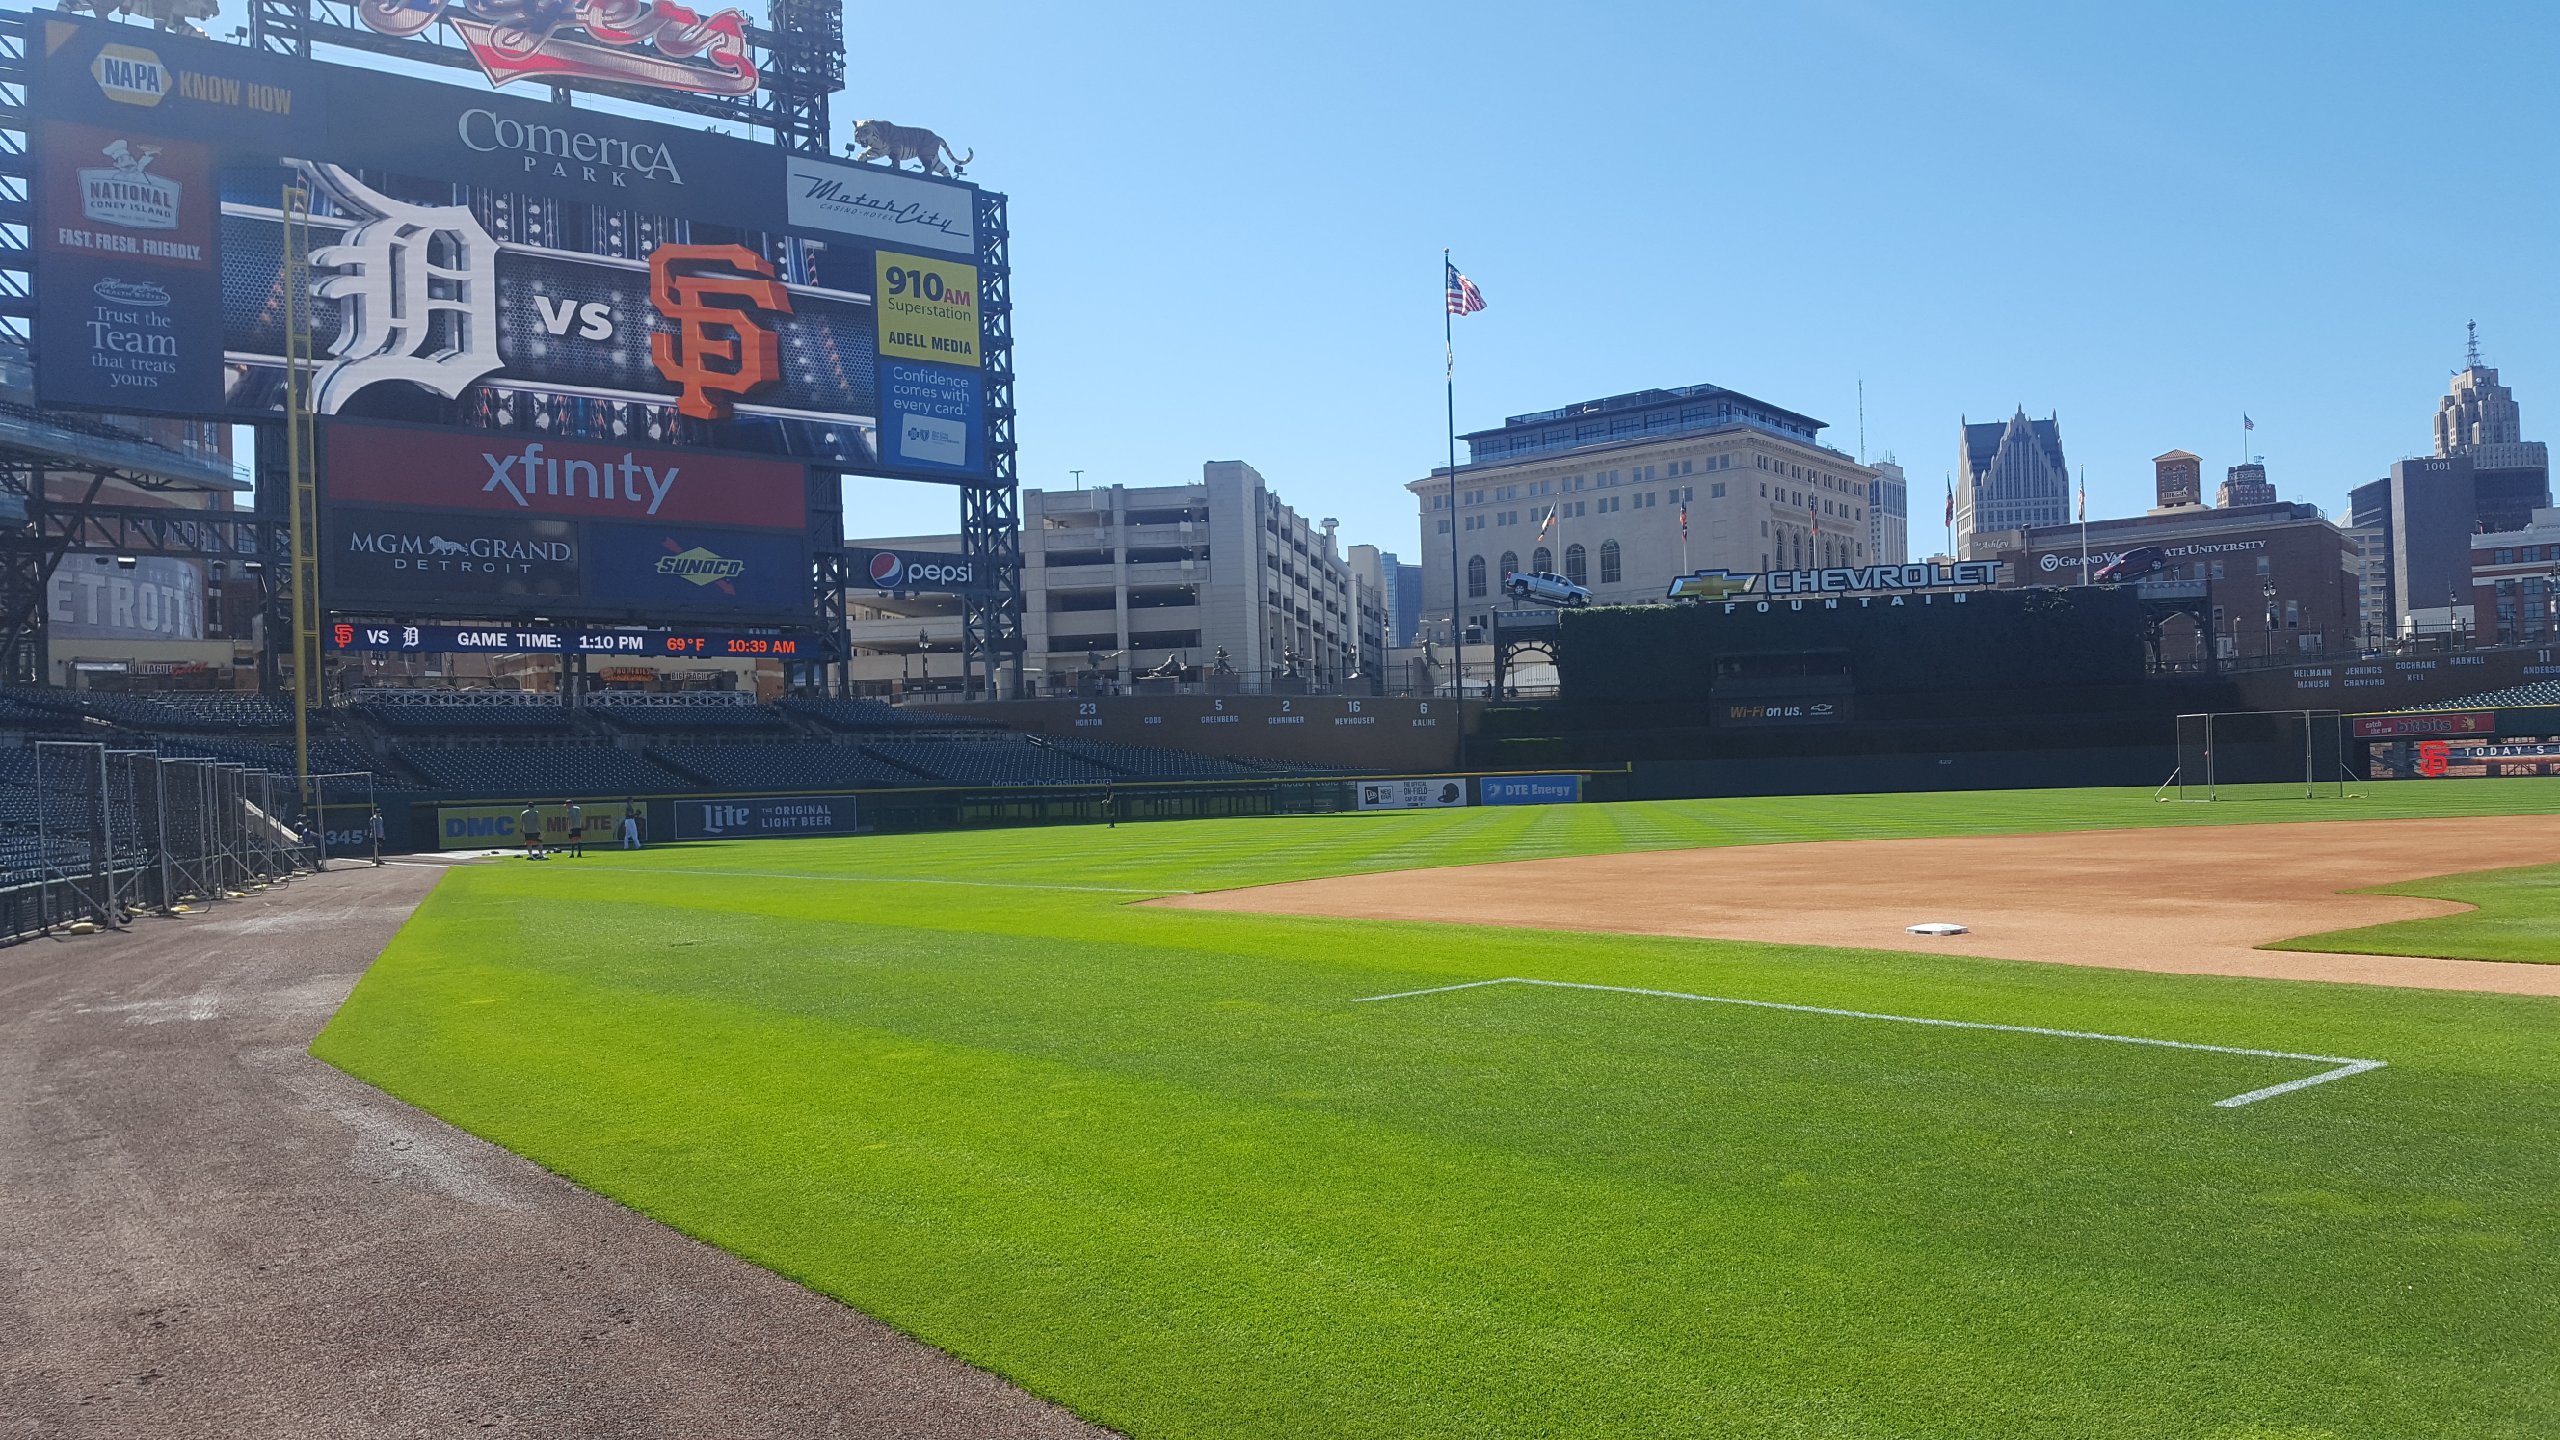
(1148, 1163)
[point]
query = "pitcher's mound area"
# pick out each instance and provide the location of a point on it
(2193, 900)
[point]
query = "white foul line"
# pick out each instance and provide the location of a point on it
(2345, 1066)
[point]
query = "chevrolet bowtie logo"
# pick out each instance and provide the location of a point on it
(1712, 585)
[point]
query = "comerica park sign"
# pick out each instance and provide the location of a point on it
(1854, 580)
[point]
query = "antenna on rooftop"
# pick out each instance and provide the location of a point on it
(1862, 419)
(2473, 349)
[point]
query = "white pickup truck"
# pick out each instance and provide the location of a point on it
(1545, 587)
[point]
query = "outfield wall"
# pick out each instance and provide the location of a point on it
(1363, 731)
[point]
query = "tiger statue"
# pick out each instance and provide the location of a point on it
(177, 17)
(899, 144)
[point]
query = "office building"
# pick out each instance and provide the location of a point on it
(2177, 479)
(2279, 578)
(2479, 420)
(2515, 582)
(2246, 485)
(1596, 492)
(1373, 601)
(1404, 614)
(2013, 477)
(2432, 510)
(1888, 515)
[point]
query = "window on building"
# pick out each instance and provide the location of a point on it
(1475, 577)
(1574, 565)
(1444, 525)
(1608, 562)
(2506, 557)
(2264, 567)
(1510, 563)
(1543, 559)
(2293, 614)
(1716, 491)
(2217, 569)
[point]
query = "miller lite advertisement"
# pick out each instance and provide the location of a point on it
(593, 275)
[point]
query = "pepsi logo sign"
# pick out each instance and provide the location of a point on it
(931, 572)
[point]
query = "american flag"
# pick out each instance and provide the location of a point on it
(1464, 297)
(1684, 521)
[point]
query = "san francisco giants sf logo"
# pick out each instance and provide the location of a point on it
(718, 351)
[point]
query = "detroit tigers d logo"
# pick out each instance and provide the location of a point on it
(718, 351)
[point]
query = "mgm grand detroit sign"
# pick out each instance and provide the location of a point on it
(1868, 585)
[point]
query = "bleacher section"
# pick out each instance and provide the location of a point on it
(495, 772)
(854, 717)
(1147, 762)
(505, 745)
(1000, 759)
(2532, 692)
(462, 717)
(785, 767)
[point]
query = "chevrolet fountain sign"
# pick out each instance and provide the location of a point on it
(1857, 580)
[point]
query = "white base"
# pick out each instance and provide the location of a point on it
(1937, 927)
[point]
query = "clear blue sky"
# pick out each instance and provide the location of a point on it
(1228, 223)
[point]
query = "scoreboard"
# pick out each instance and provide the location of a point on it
(559, 640)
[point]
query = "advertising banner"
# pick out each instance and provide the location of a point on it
(92, 598)
(1826, 710)
(933, 418)
(2440, 722)
(662, 570)
(1529, 789)
(439, 469)
(922, 572)
(873, 203)
(494, 561)
(498, 827)
(1412, 794)
(928, 309)
(129, 314)
(750, 819)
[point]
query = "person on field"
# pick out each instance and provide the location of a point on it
(630, 829)
(529, 825)
(373, 828)
(577, 838)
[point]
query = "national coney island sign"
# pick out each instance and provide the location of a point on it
(655, 43)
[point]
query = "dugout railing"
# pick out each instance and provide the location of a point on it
(97, 834)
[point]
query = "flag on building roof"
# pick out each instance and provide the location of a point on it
(1547, 522)
(1464, 297)
(2246, 423)
(1951, 502)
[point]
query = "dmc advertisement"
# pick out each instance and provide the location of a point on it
(1412, 794)
(496, 827)
(748, 819)
(164, 152)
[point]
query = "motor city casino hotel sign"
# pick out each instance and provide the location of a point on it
(573, 290)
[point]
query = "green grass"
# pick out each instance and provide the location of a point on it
(2515, 915)
(1152, 1163)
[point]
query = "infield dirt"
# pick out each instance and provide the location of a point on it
(2188, 900)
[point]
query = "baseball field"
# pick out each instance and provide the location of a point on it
(1728, 1153)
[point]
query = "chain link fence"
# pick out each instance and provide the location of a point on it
(93, 835)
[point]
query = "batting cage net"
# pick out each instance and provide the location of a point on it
(91, 833)
(2261, 755)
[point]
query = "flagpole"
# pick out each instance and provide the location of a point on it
(2084, 524)
(1449, 377)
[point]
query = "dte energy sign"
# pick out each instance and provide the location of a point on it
(669, 304)
(421, 523)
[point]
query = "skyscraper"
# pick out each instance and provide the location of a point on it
(2014, 476)
(1889, 514)
(2246, 485)
(2479, 418)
